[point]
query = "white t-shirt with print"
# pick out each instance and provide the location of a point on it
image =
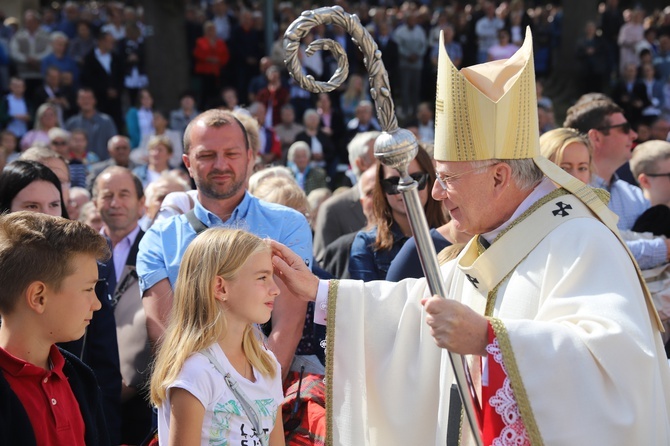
(225, 421)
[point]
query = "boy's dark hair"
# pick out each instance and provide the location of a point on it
(39, 247)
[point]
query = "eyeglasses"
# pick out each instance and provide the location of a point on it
(295, 418)
(59, 143)
(390, 185)
(658, 175)
(446, 180)
(625, 127)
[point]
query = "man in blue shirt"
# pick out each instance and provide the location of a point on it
(218, 157)
(612, 138)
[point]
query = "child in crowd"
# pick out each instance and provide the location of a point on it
(213, 380)
(48, 272)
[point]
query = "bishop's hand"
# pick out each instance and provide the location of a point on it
(455, 326)
(290, 268)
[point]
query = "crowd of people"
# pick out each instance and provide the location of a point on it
(184, 315)
(50, 55)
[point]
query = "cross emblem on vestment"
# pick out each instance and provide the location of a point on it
(473, 280)
(561, 209)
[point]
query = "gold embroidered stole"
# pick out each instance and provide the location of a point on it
(485, 270)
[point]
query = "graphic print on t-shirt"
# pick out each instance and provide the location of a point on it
(225, 416)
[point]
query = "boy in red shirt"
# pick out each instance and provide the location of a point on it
(48, 272)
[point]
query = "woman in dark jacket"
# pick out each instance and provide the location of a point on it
(374, 249)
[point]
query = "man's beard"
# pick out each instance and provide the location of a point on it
(207, 188)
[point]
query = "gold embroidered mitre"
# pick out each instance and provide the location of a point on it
(488, 110)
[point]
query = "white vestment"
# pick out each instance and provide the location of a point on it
(580, 343)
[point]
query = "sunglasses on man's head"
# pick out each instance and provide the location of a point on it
(390, 185)
(624, 126)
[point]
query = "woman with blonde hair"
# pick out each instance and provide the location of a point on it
(213, 380)
(355, 93)
(46, 118)
(160, 150)
(570, 150)
(282, 190)
(269, 172)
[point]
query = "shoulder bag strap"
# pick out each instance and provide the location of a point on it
(195, 222)
(244, 401)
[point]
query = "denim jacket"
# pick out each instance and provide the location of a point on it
(367, 264)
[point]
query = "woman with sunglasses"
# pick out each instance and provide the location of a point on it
(373, 250)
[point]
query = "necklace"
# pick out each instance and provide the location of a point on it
(244, 370)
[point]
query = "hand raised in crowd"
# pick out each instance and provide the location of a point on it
(291, 269)
(455, 326)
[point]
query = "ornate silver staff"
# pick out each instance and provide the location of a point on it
(395, 147)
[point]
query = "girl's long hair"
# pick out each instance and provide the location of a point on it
(198, 320)
(382, 211)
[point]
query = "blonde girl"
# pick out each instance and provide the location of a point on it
(213, 381)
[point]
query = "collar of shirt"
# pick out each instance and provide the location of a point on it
(121, 250)
(210, 219)
(398, 235)
(104, 59)
(626, 201)
(128, 240)
(18, 367)
(602, 184)
(542, 189)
